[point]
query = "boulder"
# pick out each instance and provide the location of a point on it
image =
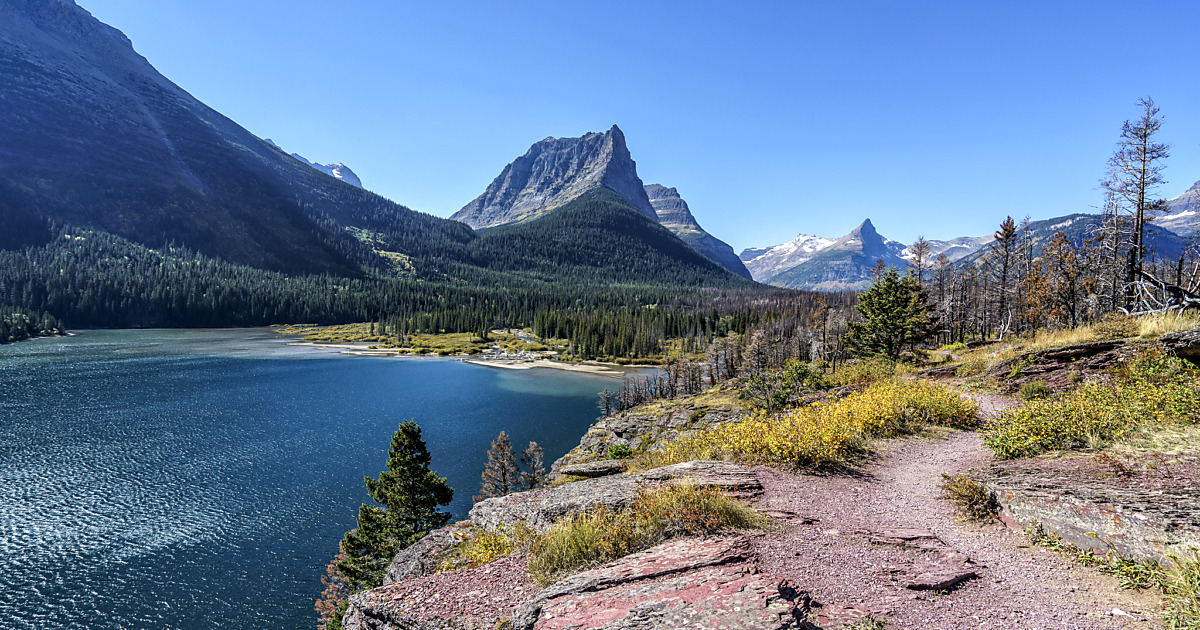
(601, 468)
(424, 556)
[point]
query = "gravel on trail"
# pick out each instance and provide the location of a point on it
(837, 545)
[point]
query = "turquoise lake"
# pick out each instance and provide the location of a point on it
(202, 478)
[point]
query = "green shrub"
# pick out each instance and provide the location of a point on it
(620, 451)
(970, 498)
(1035, 390)
(1146, 392)
(953, 347)
(586, 540)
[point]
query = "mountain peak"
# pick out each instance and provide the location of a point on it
(674, 214)
(555, 171)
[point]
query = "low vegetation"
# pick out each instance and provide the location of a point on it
(824, 434)
(971, 499)
(587, 540)
(1178, 580)
(1146, 393)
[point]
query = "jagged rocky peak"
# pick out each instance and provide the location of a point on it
(555, 171)
(673, 213)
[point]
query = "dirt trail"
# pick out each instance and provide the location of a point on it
(833, 549)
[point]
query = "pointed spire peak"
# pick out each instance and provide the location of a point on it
(866, 227)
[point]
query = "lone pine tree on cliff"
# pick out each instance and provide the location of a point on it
(408, 493)
(895, 313)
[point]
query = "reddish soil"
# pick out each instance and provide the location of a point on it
(830, 548)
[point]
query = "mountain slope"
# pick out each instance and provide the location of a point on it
(553, 172)
(94, 136)
(674, 214)
(1182, 215)
(598, 238)
(845, 264)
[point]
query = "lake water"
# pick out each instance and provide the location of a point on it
(202, 478)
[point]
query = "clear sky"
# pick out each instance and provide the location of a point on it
(772, 119)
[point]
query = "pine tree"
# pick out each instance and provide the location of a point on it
(534, 460)
(501, 475)
(895, 313)
(408, 493)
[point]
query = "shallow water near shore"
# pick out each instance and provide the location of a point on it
(202, 478)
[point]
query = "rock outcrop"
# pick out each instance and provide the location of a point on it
(683, 583)
(674, 214)
(540, 508)
(553, 172)
(1146, 509)
(650, 427)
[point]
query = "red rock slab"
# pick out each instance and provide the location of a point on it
(683, 583)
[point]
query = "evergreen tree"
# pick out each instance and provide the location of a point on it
(534, 460)
(409, 494)
(501, 475)
(895, 313)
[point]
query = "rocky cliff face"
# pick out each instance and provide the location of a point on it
(674, 214)
(553, 172)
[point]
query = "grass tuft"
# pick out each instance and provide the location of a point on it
(1181, 588)
(970, 498)
(583, 541)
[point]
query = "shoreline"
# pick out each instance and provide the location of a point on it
(364, 349)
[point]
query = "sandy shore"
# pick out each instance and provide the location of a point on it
(598, 369)
(365, 349)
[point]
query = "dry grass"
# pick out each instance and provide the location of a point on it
(828, 434)
(970, 498)
(587, 540)
(1155, 326)
(1181, 588)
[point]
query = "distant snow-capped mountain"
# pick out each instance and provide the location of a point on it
(338, 170)
(1183, 213)
(765, 263)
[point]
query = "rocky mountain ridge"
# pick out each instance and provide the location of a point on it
(674, 214)
(95, 137)
(553, 172)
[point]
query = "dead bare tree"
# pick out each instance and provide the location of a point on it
(1134, 172)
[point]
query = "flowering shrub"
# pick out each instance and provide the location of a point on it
(1150, 390)
(824, 434)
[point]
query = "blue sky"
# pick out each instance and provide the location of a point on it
(934, 119)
